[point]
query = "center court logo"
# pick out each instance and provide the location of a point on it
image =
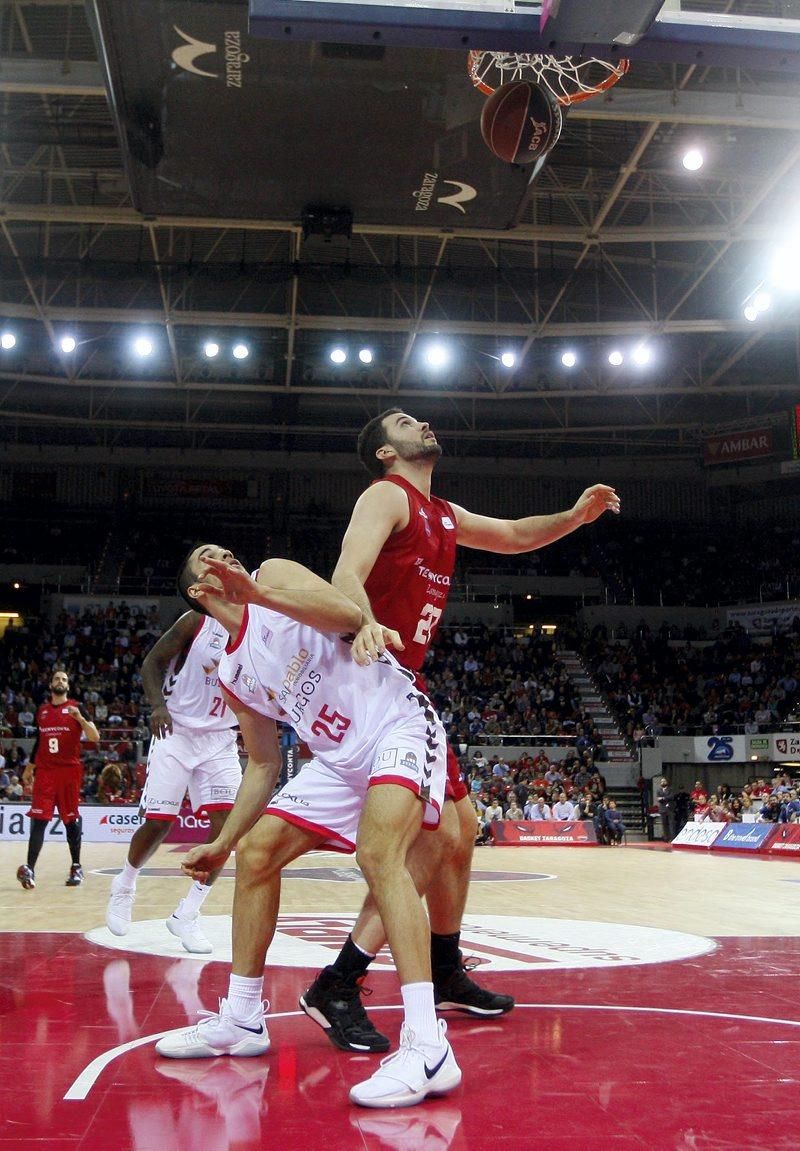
(463, 193)
(498, 942)
(188, 54)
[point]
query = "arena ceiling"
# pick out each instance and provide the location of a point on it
(615, 244)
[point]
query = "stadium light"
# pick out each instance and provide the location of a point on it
(569, 359)
(693, 160)
(436, 355)
(338, 355)
(210, 349)
(508, 359)
(615, 358)
(366, 355)
(240, 351)
(7, 341)
(143, 346)
(641, 355)
(751, 313)
(67, 344)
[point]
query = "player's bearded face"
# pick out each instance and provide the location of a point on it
(59, 685)
(416, 445)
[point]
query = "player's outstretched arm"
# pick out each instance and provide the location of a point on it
(155, 665)
(532, 532)
(284, 586)
(260, 737)
(379, 512)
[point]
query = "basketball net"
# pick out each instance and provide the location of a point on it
(569, 79)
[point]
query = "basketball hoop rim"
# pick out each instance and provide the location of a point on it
(616, 71)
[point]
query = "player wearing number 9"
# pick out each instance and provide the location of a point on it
(396, 563)
(56, 761)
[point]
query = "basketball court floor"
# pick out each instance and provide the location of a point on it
(656, 1008)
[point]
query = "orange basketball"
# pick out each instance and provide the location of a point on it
(520, 122)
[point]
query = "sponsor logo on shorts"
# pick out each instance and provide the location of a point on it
(223, 793)
(250, 682)
(298, 799)
(237, 674)
(409, 761)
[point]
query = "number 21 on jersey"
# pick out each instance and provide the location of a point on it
(428, 620)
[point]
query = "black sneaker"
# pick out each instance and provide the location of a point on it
(75, 878)
(336, 1006)
(25, 876)
(455, 991)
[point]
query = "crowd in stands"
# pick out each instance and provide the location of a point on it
(101, 649)
(758, 802)
(491, 684)
(733, 683)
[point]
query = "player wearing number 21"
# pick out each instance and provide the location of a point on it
(56, 762)
(377, 778)
(193, 748)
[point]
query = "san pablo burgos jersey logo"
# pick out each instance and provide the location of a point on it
(462, 195)
(188, 56)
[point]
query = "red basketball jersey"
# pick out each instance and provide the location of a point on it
(410, 580)
(59, 739)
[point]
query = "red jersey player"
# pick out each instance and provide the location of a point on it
(397, 561)
(56, 759)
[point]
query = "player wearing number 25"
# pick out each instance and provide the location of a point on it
(193, 748)
(377, 778)
(56, 761)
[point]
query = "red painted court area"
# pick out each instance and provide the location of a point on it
(683, 1056)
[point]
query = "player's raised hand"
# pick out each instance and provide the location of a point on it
(202, 860)
(594, 501)
(160, 721)
(372, 640)
(222, 581)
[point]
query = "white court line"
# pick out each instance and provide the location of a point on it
(91, 1073)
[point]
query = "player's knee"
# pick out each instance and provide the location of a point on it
(256, 856)
(377, 859)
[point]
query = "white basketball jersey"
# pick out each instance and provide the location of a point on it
(308, 679)
(191, 683)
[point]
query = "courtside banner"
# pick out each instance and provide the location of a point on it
(100, 824)
(543, 833)
(189, 828)
(745, 837)
(786, 841)
(698, 834)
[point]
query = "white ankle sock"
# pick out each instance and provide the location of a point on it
(245, 995)
(420, 1013)
(128, 876)
(192, 901)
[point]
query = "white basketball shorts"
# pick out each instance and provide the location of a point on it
(206, 763)
(327, 798)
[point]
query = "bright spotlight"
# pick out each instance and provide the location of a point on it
(751, 313)
(7, 341)
(338, 355)
(240, 351)
(693, 160)
(569, 359)
(68, 344)
(508, 359)
(615, 358)
(143, 346)
(761, 301)
(436, 355)
(366, 356)
(211, 349)
(641, 355)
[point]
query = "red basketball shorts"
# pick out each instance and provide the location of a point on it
(56, 787)
(455, 788)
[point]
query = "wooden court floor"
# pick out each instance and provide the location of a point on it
(656, 1008)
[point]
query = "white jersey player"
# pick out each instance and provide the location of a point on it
(377, 776)
(193, 749)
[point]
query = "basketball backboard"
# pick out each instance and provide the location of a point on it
(637, 29)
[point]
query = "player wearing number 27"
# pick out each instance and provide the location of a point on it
(193, 748)
(396, 563)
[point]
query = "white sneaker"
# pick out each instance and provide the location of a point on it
(411, 1074)
(218, 1034)
(120, 909)
(190, 934)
